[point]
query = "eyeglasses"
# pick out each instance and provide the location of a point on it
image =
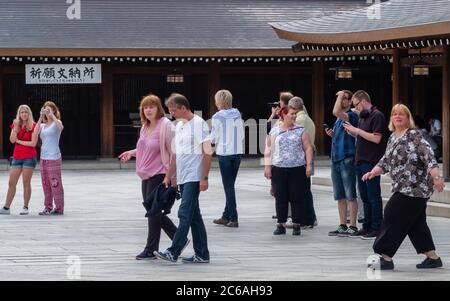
(355, 105)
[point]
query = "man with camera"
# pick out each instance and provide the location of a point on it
(279, 110)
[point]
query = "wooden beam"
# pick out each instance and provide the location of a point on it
(318, 104)
(446, 112)
(399, 82)
(107, 114)
(1, 112)
(406, 62)
(146, 52)
(213, 87)
(172, 52)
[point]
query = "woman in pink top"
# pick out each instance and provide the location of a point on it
(153, 155)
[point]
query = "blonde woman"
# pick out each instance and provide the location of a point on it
(50, 160)
(227, 133)
(410, 162)
(153, 156)
(23, 159)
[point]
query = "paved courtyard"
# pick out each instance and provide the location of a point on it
(104, 226)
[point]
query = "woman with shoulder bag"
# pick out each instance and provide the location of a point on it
(24, 157)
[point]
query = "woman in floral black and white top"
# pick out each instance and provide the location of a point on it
(410, 162)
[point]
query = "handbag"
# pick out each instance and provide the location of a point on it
(11, 158)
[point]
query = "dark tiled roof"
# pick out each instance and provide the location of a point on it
(393, 14)
(156, 24)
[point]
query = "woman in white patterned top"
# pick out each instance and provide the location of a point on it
(288, 156)
(410, 162)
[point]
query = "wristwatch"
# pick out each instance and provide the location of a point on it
(205, 178)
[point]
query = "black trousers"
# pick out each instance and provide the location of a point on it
(290, 186)
(155, 223)
(404, 215)
(310, 212)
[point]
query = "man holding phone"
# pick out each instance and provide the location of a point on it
(370, 147)
(343, 173)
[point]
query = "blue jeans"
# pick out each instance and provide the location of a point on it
(24, 163)
(190, 217)
(229, 166)
(344, 179)
(370, 193)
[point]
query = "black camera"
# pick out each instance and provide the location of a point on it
(273, 104)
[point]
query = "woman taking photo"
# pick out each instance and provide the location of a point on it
(410, 162)
(153, 156)
(24, 157)
(50, 160)
(288, 162)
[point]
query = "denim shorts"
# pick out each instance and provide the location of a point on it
(343, 175)
(24, 163)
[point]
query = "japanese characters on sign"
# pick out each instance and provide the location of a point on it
(63, 73)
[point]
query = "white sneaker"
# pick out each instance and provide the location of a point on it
(24, 211)
(4, 211)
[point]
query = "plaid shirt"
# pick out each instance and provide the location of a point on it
(343, 144)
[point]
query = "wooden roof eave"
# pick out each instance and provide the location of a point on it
(367, 37)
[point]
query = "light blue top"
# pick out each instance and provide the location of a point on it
(50, 142)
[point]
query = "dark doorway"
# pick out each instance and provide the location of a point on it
(252, 92)
(128, 91)
(79, 106)
(374, 78)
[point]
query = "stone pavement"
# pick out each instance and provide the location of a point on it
(104, 226)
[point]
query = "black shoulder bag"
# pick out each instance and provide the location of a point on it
(11, 157)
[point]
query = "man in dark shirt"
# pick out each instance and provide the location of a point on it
(370, 147)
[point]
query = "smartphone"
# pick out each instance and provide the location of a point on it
(325, 126)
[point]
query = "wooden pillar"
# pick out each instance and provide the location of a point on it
(399, 78)
(417, 101)
(213, 87)
(1, 113)
(107, 114)
(318, 104)
(446, 112)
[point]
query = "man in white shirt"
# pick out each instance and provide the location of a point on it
(192, 162)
